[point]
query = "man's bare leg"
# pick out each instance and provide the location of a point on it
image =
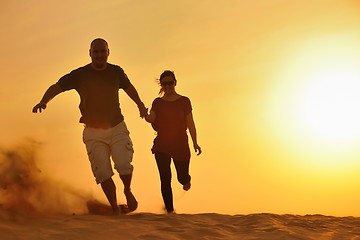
(109, 189)
(131, 201)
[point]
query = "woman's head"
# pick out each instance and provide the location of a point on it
(167, 73)
(167, 82)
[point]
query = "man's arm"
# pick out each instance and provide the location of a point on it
(52, 91)
(133, 94)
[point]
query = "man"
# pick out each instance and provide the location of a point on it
(105, 133)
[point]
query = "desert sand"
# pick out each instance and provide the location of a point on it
(178, 226)
(34, 207)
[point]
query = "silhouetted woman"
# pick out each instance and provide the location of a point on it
(171, 116)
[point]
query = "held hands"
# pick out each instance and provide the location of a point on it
(39, 107)
(142, 110)
(197, 149)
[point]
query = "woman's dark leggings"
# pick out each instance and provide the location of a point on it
(163, 161)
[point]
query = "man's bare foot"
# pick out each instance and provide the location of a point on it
(98, 208)
(132, 204)
(116, 211)
(187, 186)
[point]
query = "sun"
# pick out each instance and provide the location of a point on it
(314, 109)
(331, 103)
(324, 93)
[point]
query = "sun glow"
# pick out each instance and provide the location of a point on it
(324, 91)
(314, 108)
(331, 103)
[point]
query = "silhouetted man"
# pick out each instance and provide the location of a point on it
(105, 133)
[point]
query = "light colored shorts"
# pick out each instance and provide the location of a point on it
(101, 144)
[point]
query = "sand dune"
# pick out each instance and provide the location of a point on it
(35, 207)
(150, 226)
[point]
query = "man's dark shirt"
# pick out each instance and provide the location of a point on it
(99, 93)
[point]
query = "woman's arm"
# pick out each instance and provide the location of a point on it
(150, 118)
(191, 126)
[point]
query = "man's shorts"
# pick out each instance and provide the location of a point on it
(101, 144)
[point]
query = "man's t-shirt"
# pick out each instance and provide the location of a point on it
(99, 93)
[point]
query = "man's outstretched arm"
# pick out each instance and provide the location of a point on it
(133, 94)
(52, 91)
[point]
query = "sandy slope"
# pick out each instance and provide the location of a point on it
(149, 226)
(32, 207)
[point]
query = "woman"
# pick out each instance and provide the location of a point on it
(171, 116)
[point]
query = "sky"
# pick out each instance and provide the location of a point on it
(273, 84)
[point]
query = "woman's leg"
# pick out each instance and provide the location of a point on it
(182, 170)
(163, 162)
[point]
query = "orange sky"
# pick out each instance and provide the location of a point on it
(273, 85)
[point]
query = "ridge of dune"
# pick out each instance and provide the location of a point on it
(179, 226)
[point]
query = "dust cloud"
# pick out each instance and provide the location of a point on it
(25, 189)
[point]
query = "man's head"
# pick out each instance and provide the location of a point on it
(99, 52)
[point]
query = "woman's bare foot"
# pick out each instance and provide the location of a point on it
(187, 186)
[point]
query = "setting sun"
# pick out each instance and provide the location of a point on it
(329, 73)
(314, 107)
(330, 105)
